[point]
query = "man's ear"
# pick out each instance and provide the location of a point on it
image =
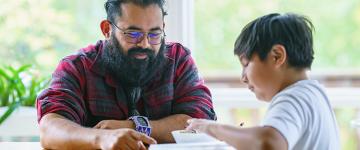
(278, 55)
(105, 28)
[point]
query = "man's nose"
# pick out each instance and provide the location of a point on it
(143, 42)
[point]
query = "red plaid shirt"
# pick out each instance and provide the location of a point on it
(83, 92)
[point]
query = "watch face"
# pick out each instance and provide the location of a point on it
(142, 121)
(141, 124)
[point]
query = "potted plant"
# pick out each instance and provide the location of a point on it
(18, 90)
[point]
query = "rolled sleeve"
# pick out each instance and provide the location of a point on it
(192, 97)
(64, 95)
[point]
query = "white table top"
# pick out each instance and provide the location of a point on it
(187, 146)
(192, 146)
(20, 146)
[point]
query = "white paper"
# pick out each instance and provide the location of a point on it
(181, 136)
(194, 141)
(193, 146)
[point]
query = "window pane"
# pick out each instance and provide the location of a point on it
(218, 23)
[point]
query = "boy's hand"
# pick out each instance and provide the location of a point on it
(200, 125)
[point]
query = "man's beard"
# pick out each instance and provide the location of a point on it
(129, 70)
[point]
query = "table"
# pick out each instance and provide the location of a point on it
(187, 146)
(20, 146)
(192, 146)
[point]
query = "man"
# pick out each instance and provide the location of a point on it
(131, 80)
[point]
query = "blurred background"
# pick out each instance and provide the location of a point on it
(40, 32)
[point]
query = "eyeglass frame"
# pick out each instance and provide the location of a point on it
(140, 38)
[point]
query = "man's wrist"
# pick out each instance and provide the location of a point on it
(131, 124)
(97, 137)
(142, 124)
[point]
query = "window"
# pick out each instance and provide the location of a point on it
(336, 38)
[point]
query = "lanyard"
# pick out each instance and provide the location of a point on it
(133, 95)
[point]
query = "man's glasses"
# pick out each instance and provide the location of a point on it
(135, 37)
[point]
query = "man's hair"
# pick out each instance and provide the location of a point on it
(113, 8)
(292, 31)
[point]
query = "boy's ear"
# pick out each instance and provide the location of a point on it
(105, 28)
(278, 55)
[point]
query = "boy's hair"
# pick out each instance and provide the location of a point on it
(292, 31)
(113, 8)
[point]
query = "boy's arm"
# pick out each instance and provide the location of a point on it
(241, 138)
(250, 138)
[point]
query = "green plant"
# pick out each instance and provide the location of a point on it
(18, 87)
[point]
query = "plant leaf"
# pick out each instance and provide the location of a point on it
(23, 68)
(4, 74)
(8, 112)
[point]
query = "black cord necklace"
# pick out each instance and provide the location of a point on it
(133, 95)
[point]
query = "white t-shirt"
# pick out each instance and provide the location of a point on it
(303, 115)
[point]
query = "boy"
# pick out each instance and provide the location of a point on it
(275, 52)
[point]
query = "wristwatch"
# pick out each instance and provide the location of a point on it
(141, 124)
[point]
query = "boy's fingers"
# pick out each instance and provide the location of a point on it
(189, 121)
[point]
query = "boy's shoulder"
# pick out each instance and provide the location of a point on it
(303, 89)
(304, 85)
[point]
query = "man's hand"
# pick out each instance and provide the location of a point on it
(115, 124)
(123, 139)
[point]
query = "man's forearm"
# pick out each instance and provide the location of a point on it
(56, 132)
(161, 129)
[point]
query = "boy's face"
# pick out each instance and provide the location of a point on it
(260, 76)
